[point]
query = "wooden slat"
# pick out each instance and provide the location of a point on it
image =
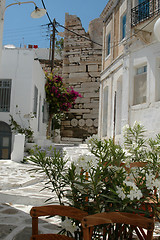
(34, 225)
(139, 234)
(138, 164)
(52, 210)
(50, 237)
(118, 217)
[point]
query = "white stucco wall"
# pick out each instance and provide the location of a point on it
(25, 72)
(110, 77)
(147, 113)
(120, 75)
(38, 81)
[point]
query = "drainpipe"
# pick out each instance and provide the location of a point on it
(2, 9)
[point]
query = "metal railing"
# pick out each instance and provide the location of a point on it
(144, 11)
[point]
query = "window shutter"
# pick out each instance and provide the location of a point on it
(124, 26)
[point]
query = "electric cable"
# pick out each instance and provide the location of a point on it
(46, 12)
(134, 34)
(78, 34)
(112, 43)
(67, 28)
(119, 43)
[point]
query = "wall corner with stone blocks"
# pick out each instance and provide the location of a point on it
(81, 70)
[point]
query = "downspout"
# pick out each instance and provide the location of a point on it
(2, 9)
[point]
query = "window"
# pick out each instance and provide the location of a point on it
(39, 113)
(105, 111)
(143, 9)
(108, 44)
(157, 81)
(140, 85)
(45, 110)
(123, 26)
(35, 101)
(5, 95)
(118, 106)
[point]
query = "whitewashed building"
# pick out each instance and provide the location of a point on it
(22, 95)
(130, 78)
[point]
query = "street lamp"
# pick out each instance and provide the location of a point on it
(37, 13)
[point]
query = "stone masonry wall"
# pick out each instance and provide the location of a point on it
(81, 69)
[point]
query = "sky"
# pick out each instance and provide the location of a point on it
(20, 29)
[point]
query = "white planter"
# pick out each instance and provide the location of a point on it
(18, 148)
(57, 136)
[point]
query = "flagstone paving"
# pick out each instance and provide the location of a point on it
(20, 189)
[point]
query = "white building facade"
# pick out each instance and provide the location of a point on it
(22, 95)
(130, 78)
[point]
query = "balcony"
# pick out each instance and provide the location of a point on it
(144, 11)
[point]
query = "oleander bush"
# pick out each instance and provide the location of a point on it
(106, 179)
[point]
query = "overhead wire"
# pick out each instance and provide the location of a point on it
(134, 34)
(66, 27)
(17, 34)
(9, 32)
(78, 34)
(119, 43)
(46, 11)
(21, 29)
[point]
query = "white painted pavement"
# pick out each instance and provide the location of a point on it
(20, 189)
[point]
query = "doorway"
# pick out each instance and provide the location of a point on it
(5, 141)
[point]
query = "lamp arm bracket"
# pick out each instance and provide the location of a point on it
(18, 3)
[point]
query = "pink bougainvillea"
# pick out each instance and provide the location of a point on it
(60, 98)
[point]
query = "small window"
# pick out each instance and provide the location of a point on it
(45, 110)
(5, 95)
(140, 85)
(35, 101)
(123, 26)
(141, 70)
(157, 81)
(105, 111)
(108, 44)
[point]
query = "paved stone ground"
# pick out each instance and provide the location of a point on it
(19, 191)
